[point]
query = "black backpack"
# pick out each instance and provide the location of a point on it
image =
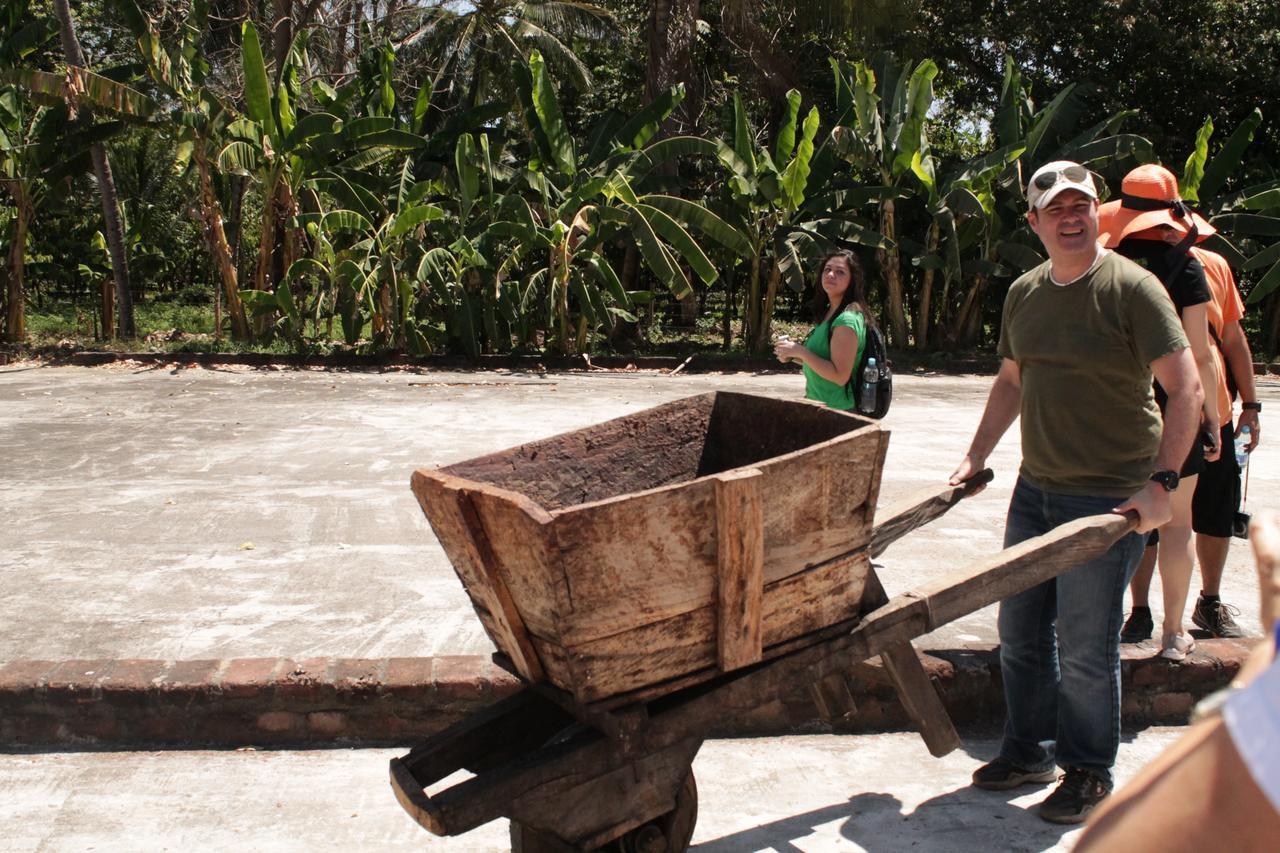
(883, 395)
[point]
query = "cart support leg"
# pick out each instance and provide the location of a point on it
(913, 685)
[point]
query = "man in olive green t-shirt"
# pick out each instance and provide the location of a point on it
(1081, 337)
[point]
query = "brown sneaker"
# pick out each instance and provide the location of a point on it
(1080, 792)
(1216, 618)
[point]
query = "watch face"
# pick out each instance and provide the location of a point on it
(1168, 479)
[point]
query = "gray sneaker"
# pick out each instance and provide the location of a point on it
(1080, 792)
(1216, 618)
(1002, 774)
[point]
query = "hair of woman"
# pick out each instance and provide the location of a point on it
(854, 294)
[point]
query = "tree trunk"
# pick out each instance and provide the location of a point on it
(672, 32)
(924, 311)
(776, 72)
(15, 330)
(891, 269)
(281, 35)
(266, 240)
(211, 211)
(751, 310)
(106, 183)
(969, 320)
(761, 342)
(726, 330)
(115, 240)
(1271, 325)
(108, 310)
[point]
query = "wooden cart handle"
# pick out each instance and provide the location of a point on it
(921, 508)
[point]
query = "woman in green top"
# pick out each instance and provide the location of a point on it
(835, 345)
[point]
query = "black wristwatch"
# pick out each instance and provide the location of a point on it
(1168, 479)
(1251, 407)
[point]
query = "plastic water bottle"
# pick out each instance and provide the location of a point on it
(1242, 444)
(867, 393)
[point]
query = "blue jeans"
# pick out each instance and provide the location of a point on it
(1063, 691)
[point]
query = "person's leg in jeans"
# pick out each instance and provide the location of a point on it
(1028, 651)
(1090, 601)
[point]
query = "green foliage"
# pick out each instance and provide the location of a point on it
(508, 176)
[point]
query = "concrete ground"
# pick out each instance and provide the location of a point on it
(190, 513)
(174, 514)
(880, 793)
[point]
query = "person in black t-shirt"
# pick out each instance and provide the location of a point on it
(1152, 227)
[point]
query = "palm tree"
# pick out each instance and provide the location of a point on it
(473, 45)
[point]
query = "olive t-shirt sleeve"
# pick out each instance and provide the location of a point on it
(1157, 331)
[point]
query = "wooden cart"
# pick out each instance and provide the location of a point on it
(649, 577)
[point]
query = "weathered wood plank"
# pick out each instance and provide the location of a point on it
(833, 697)
(912, 684)
(814, 510)
(905, 617)
(521, 652)
(527, 560)
(509, 727)
(740, 558)
(1022, 566)
(457, 533)
(921, 508)
(601, 808)
(920, 699)
(793, 607)
(633, 453)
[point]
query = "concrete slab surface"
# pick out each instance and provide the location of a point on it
(880, 793)
(170, 513)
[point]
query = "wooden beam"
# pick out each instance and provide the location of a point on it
(920, 699)
(914, 687)
(521, 649)
(740, 556)
(833, 697)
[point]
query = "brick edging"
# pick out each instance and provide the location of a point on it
(343, 701)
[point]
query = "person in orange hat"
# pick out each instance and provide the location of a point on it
(1217, 497)
(1151, 225)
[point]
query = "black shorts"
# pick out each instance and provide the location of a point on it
(1217, 497)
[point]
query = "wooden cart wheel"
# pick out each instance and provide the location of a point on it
(670, 833)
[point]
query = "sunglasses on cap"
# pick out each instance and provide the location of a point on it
(1046, 180)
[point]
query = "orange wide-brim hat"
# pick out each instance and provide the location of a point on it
(1148, 199)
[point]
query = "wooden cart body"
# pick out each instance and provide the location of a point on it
(666, 546)
(641, 577)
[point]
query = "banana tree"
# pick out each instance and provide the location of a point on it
(286, 150)
(963, 220)
(790, 204)
(582, 204)
(1248, 218)
(31, 148)
(880, 128)
(998, 240)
